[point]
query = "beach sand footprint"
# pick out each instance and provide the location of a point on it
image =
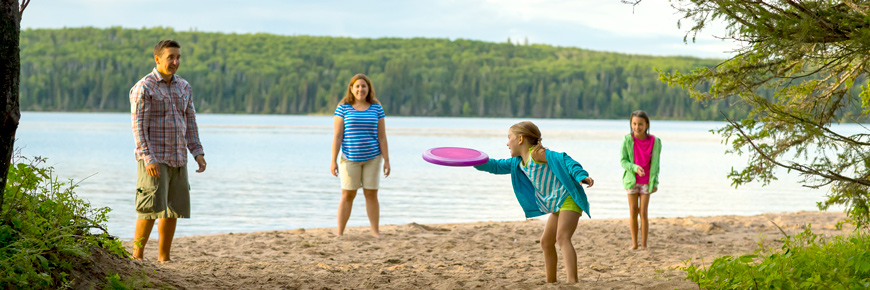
(427, 228)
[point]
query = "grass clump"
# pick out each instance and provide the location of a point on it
(805, 261)
(46, 230)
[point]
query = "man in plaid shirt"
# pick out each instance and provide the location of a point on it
(164, 128)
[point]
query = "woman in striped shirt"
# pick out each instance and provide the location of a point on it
(544, 182)
(360, 134)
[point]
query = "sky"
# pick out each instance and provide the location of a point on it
(605, 25)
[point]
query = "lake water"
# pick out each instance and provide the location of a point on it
(271, 172)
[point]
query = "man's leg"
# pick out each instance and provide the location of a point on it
(140, 237)
(166, 228)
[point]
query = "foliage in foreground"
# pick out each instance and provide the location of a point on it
(806, 261)
(815, 58)
(45, 229)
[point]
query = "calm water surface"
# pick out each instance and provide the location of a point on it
(270, 172)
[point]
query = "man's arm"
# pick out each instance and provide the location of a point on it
(140, 109)
(192, 134)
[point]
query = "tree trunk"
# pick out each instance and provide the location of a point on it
(10, 68)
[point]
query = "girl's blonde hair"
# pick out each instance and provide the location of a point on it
(530, 132)
(349, 99)
(640, 114)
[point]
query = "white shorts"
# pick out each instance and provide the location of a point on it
(364, 174)
(639, 189)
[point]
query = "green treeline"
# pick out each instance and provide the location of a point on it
(90, 69)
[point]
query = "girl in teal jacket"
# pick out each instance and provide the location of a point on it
(546, 181)
(640, 159)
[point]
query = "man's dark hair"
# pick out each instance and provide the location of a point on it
(165, 44)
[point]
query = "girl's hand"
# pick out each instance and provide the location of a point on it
(640, 171)
(386, 168)
(654, 189)
(333, 168)
(588, 180)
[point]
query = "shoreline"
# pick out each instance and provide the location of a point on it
(468, 255)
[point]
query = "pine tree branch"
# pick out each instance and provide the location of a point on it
(21, 11)
(796, 167)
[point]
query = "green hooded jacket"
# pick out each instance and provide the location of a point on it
(627, 161)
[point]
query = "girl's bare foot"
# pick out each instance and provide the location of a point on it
(632, 247)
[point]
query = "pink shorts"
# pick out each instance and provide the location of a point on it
(639, 189)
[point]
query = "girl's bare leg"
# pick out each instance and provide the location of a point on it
(548, 243)
(644, 205)
(567, 225)
(373, 209)
(633, 212)
(344, 207)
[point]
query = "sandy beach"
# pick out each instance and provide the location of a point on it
(483, 255)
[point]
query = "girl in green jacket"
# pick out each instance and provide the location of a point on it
(640, 159)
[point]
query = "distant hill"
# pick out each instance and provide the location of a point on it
(90, 69)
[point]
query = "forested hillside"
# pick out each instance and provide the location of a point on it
(90, 69)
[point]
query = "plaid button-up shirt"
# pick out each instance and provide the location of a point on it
(164, 120)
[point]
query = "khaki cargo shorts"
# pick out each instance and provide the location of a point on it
(166, 196)
(364, 174)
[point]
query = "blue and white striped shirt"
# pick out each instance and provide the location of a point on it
(360, 142)
(549, 192)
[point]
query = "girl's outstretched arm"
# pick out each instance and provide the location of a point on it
(496, 166)
(576, 171)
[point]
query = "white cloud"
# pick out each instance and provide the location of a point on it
(648, 19)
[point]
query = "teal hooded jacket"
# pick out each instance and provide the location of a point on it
(569, 172)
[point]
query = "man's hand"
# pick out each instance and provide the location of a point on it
(153, 169)
(200, 160)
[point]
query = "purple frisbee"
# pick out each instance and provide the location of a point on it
(455, 156)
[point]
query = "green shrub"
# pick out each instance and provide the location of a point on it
(805, 261)
(45, 228)
(113, 282)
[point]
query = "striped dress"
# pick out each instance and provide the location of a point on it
(549, 192)
(360, 142)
